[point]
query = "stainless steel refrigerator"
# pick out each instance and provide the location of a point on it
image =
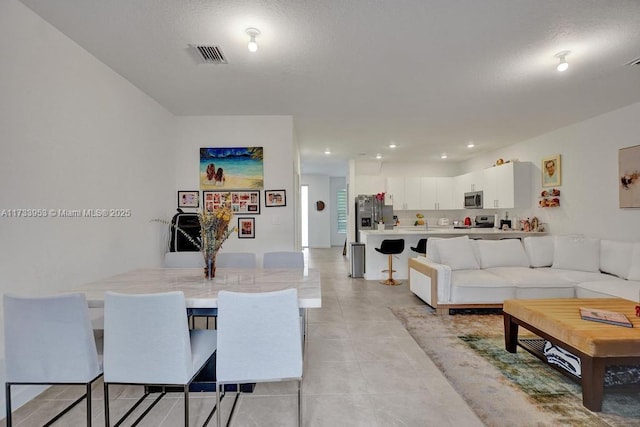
(369, 211)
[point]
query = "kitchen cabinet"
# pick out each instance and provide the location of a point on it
(404, 192)
(436, 193)
(507, 186)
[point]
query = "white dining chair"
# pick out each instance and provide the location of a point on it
(236, 260)
(49, 340)
(184, 260)
(147, 342)
(258, 341)
(283, 260)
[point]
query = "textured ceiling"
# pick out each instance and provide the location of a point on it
(429, 75)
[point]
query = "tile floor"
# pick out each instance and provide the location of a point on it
(362, 369)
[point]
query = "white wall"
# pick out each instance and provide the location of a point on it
(275, 226)
(319, 221)
(590, 181)
(75, 135)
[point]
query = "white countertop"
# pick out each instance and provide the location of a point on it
(434, 231)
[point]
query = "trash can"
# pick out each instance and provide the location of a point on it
(356, 256)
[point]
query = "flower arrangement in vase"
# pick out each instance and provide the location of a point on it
(214, 230)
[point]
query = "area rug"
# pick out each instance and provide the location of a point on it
(506, 389)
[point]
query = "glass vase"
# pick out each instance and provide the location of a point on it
(210, 266)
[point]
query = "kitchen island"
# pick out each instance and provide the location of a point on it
(375, 262)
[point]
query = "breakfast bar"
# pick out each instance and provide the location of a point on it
(376, 262)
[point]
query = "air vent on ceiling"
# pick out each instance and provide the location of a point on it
(634, 62)
(211, 54)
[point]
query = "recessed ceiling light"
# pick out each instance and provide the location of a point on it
(443, 156)
(471, 145)
(378, 156)
(327, 151)
(392, 145)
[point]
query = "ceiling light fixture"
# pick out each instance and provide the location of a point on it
(471, 145)
(444, 156)
(327, 151)
(392, 145)
(378, 156)
(252, 32)
(562, 56)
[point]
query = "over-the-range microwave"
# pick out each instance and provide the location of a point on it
(473, 200)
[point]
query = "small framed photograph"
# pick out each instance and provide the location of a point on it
(188, 199)
(246, 228)
(551, 172)
(242, 202)
(274, 198)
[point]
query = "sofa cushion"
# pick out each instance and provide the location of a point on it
(501, 253)
(576, 253)
(634, 269)
(457, 253)
(539, 250)
(615, 257)
(613, 287)
(536, 282)
(479, 286)
(577, 276)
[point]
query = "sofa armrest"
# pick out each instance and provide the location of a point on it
(437, 277)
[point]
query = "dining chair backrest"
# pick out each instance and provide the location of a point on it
(49, 340)
(236, 259)
(183, 260)
(283, 260)
(258, 336)
(146, 339)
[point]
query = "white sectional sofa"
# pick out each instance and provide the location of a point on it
(463, 273)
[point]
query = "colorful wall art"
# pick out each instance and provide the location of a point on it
(231, 168)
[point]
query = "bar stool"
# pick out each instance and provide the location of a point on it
(421, 247)
(391, 247)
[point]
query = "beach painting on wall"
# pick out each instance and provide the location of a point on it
(231, 168)
(629, 177)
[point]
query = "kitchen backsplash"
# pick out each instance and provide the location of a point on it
(408, 218)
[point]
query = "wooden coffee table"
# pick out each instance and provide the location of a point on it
(598, 345)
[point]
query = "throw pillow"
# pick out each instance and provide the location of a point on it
(539, 250)
(432, 251)
(502, 253)
(615, 257)
(634, 270)
(576, 253)
(457, 253)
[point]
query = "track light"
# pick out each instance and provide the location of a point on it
(562, 56)
(253, 45)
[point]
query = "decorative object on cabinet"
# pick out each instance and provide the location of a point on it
(246, 228)
(629, 173)
(549, 198)
(551, 171)
(231, 168)
(246, 202)
(275, 198)
(419, 220)
(188, 199)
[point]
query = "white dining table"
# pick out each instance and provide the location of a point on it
(202, 293)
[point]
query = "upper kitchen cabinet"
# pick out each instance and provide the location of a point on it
(405, 192)
(472, 181)
(436, 193)
(507, 186)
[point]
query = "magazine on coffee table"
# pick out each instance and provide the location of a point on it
(604, 316)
